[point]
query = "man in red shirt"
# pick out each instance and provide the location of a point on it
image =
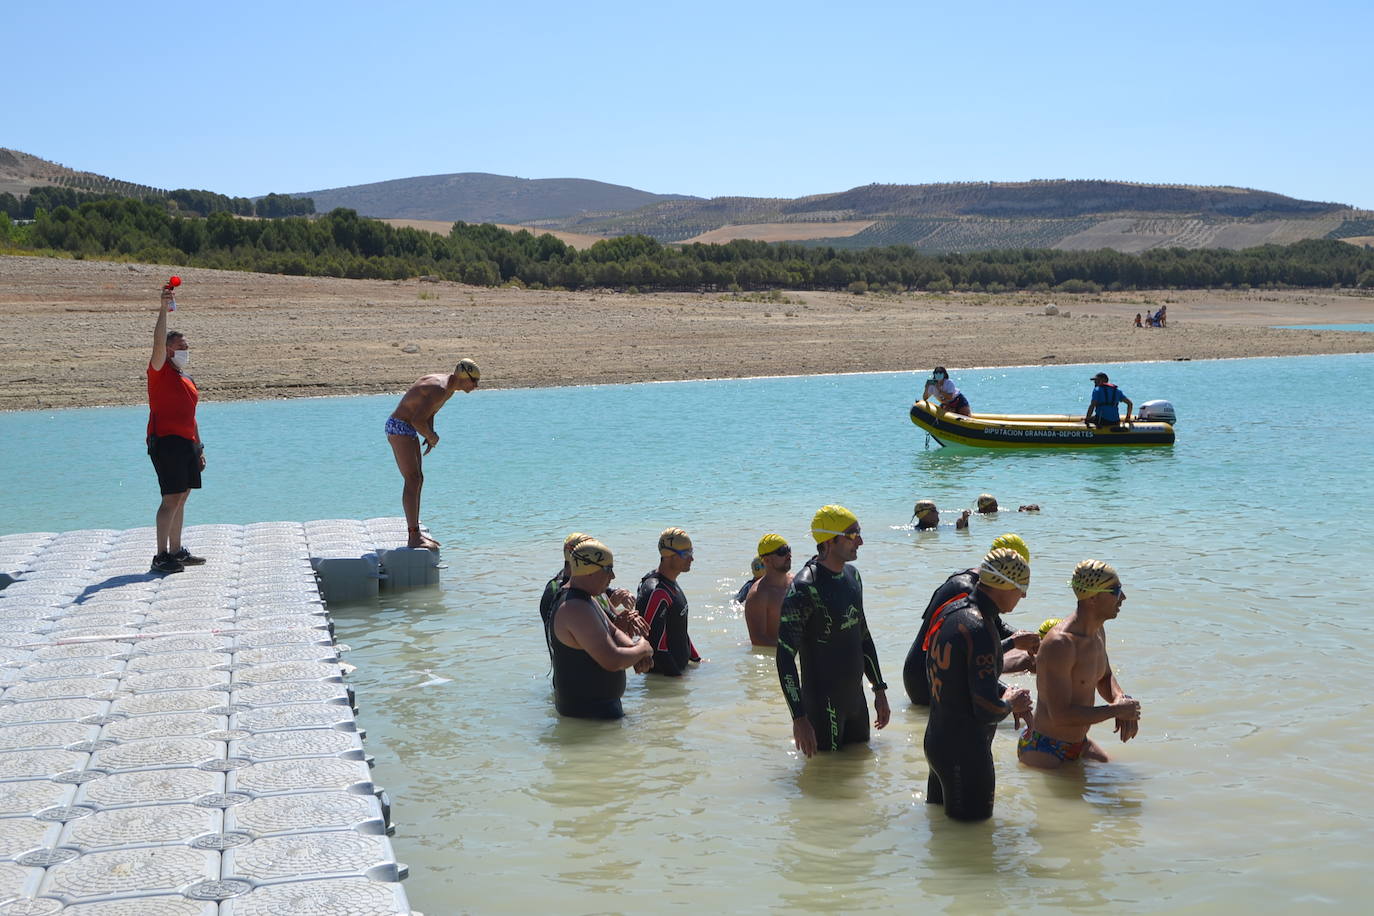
(173, 439)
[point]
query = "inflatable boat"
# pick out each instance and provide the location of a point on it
(1154, 427)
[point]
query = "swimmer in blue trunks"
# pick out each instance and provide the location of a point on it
(412, 420)
(1071, 665)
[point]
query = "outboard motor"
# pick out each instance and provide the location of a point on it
(1157, 411)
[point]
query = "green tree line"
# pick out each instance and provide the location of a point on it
(341, 244)
(182, 200)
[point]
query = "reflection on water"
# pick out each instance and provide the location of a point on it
(1246, 636)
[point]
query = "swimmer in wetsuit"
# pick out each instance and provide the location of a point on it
(664, 606)
(756, 567)
(966, 699)
(1073, 665)
(823, 623)
(589, 654)
(1018, 646)
(927, 516)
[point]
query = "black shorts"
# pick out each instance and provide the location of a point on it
(177, 462)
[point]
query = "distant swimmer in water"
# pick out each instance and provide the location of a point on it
(823, 624)
(627, 619)
(763, 606)
(927, 517)
(1072, 665)
(589, 654)
(987, 504)
(664, 606)
(947, 396)
(1018, 646)
(412, 419)
(756, 569)
(967, 699)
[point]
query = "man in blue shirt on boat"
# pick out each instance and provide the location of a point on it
(1102, 410)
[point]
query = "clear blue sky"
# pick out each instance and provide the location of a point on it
(705, 98)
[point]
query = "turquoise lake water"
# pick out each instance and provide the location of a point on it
(1246, 634)
(1365, 326)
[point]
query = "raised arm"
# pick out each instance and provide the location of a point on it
(159, 357)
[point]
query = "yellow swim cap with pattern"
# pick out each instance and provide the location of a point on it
(673, 541)
(756, 567)
(1005, 569)
(922, 507)
(1050, 624)
(469, 368)
(572, 540)
(830, 522)
(771, 542)
(590, 556)
(1012, 542)
(1093, 577)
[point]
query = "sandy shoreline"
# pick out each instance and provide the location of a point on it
(78, 333)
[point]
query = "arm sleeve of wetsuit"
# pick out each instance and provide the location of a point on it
(983, 685)
(654, 609)
(875, 674)
(791, 625)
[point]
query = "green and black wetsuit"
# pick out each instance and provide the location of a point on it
(963, 664)
(914, 670)
(823, 623)
(581, 687)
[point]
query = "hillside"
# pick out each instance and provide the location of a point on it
(476, 197)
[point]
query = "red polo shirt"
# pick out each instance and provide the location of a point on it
(172, 399)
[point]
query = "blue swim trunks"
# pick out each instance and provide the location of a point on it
(395, 427)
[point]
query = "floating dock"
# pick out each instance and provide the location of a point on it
(187, 744)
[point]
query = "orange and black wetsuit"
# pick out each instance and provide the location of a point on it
(823, 623)
(914, 669)
(964, 663)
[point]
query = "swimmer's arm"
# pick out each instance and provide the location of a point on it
(790, 627)
(755, 615)
(608, 647)
(983, 686)
(1054, 686)
(871, 669)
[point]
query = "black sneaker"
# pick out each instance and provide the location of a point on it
(186, 558)
(166, 563)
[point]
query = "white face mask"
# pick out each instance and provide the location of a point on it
(180, 358)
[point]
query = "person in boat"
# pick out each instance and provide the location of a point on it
(763, 606)
(927, 516)
(1018, 646)
(756, 569)
(664, 606)
(414, 418)
(823, 624)
(967, 698)
(1102, 409)
(589, 654)
(939, 387)
(1071, 666)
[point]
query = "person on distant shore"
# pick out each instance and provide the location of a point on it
(927, 516)
(664, 606)
(763, 606)
(1072, 664)
(1162, 316)
(967, 699)
(173, 440)
(1102, 409)
(756, 568)
(944, 391)
(823, 623)
(628, 620)
(414, 418)
(589, 654)
(1137, 320)
(1018, 646)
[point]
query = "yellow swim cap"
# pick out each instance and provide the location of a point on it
(771, 542)
(1049, 624)
(922, 507)
(590, 556)
(469, 368)
(572, 540)
(673, 541)
(985, 500)
(1013, 542)
(756, 567)
(1093, 577)
(830, 522)
(1006, 569)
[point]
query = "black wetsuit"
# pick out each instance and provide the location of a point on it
(581, 687)
(964, 664)
(823, 622)
(743, 594)
(664, 607)
(914, 670)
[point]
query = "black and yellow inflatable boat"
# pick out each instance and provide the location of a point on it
(1041, 431)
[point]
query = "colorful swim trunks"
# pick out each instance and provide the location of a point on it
(1064, 750)
(395, 427)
